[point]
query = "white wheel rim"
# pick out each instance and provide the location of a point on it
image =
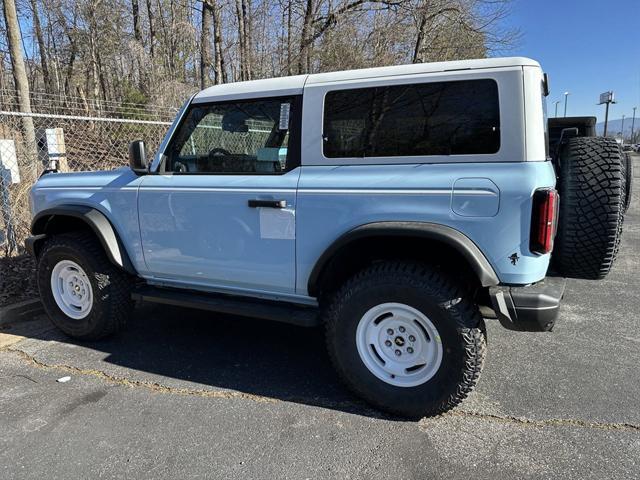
(399, 344)
(71, 289)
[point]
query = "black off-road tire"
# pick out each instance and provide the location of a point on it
(457, 319)
(111, 286)
(592, 195)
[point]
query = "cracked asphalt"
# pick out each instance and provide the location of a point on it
(196, 395)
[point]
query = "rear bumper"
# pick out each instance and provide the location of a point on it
(533, 308)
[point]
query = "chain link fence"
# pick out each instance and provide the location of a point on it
(33, 142)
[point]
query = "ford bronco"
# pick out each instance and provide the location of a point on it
(398, 207)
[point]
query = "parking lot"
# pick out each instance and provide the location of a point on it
(190, 394)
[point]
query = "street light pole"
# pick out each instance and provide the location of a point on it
(633, 123)
(607, 98)
(556, 102)
(566, 94)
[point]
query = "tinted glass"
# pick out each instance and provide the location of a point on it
(439, 118)
(546, 121)
(233, 137)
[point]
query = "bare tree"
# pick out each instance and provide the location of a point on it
(220, 72)
(42, 50)
(159, 50)
(20, 79)
(135, 12)
(319, 18)
(458, 29)
(244, 38)
(205, 44)
(152, 32)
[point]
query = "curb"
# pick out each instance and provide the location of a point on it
(14, 312)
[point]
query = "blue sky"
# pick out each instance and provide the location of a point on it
(587, 47)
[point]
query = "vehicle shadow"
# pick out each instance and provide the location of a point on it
(252, 356)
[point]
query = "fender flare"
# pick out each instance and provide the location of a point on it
(431, 231)
(96, 220)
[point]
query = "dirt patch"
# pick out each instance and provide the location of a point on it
(17, 279)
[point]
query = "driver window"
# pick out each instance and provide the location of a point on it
(235, 137)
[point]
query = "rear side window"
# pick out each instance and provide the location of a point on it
(438, 118)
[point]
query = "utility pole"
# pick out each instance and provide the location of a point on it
(622, 130)
(633, 123)
(606, 98)
(566, 94)
(557, 102)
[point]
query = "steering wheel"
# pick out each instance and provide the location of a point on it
(218, 152)
(180, 167)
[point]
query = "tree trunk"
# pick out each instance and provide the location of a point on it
(68, 88)
(289, 24)
(418, 52)
(152, 32)
(93, 52)
(205, 44)
(3, 85)
(42, 49)
(244, 40)
(429, 12)
(54, 59)
(21, 83)
(305, 38)
(101, 76)
(137, 30)
(221, 74)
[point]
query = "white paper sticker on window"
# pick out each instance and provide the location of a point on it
(278, 224)
(285, 109)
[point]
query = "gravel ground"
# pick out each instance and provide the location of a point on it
(190, 394)
(17, 280)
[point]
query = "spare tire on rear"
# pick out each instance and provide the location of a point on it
(592, 198)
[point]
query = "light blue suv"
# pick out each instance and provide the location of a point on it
(397, 206)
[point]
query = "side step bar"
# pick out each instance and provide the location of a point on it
(232, 305)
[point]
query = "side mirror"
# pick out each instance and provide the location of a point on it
(138, 157)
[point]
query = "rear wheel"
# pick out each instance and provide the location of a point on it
(83, 293)
(592, 197)
(405, 338)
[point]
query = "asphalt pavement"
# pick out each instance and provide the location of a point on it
(187, 394)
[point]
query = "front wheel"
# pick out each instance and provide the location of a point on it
(406, 339)
(84, 295)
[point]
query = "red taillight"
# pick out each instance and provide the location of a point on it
(544, 218)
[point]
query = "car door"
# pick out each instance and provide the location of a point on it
(220, 212)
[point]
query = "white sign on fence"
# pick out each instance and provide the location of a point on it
(9, 172)
(52, 149)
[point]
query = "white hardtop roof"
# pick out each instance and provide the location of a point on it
(294, 85)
